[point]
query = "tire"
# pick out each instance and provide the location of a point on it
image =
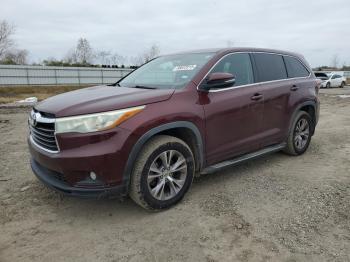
(297, 146)
(156, 189)
(328, 85)
(342, 85)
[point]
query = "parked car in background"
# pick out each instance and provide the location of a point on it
(322, 76)
(333, 79)
(194, 112)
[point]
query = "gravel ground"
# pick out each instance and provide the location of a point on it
(276, 208)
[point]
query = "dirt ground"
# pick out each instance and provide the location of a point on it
(277, 208)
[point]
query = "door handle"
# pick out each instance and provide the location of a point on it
(256, 96)
(294, 88)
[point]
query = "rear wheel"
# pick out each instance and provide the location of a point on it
(163, 173)
(342, 85)
(300, 135)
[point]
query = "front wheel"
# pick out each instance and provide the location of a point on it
(342, 85)
(328, 85)
(300, 134)
(163, 173)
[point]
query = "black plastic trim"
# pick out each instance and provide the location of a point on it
(47, 177)
(243, 158)
(307, 103)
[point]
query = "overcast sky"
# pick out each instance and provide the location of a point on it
(49, 28)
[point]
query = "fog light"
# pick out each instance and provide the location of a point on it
(92, 175)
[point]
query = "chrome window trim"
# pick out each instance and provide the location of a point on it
(252, 84)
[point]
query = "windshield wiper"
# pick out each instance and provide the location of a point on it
(114, 84)
(143, 87)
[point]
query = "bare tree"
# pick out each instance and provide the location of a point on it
(16, 57)
(151, 53)
(84, 53)
(70, 57)
(6, 42)
(21, 57)
(136, 60)
(335, 61)
(117, 59)
(104, 57)
(146, 56)
(81, 54)
(109, 58)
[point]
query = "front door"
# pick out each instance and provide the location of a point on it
(233, 115)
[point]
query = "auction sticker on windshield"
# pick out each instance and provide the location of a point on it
(184, 68)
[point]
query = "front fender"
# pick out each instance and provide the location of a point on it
(154, 131)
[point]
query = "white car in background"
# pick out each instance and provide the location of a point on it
(334, 79)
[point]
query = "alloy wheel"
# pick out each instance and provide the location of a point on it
(167, 175)
(302, 133)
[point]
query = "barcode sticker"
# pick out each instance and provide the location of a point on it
(184, 68)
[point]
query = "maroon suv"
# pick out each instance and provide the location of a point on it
(197, 111)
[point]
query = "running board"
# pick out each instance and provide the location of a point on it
(240, 159)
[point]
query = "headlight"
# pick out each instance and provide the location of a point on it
(95, 122)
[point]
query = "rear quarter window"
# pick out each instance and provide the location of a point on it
(269, 67)
(295, 68)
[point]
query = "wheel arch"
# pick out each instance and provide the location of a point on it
(311, 108)
(184, 130)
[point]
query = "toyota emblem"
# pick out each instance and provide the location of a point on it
(34, 118)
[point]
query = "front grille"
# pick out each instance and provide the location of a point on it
(42, 131)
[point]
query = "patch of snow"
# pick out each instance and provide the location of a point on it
(344, 96)
(32, 99)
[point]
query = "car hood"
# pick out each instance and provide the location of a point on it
(100, 99)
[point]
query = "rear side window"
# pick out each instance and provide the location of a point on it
(269, 67)
(295, 68)
(239, 65)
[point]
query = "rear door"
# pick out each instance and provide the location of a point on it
(284, 80)
(271, 73)
(233, 115)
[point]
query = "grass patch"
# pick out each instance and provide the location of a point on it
(10, 94)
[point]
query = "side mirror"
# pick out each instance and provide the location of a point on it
(218, 80)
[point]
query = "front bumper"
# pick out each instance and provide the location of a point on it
(323, 84)
(53, 180)
(68, 171)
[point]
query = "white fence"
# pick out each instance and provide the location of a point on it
(51, 75)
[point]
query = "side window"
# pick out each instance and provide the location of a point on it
(238, 65)
(334, 76)
(269, 67)
(295, 68)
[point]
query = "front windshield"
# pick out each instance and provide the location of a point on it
(172, 71)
